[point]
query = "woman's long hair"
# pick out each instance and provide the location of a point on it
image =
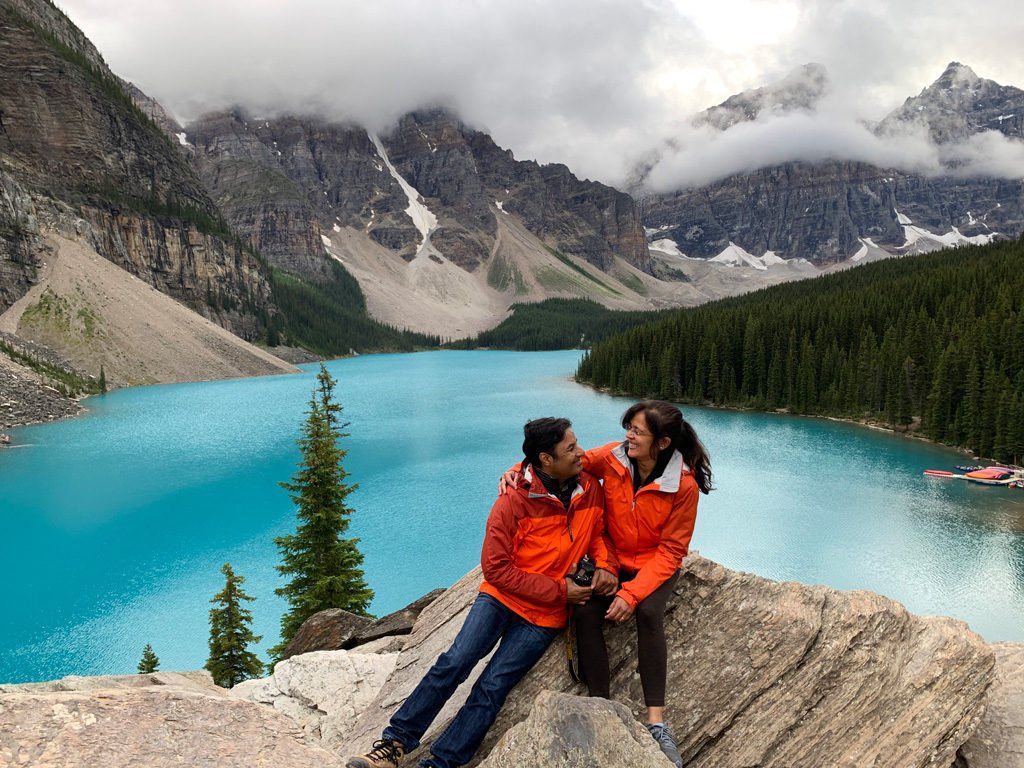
(665, 420)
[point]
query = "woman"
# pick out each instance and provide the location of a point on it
(651, 485)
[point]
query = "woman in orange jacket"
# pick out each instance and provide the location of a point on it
(652, 481)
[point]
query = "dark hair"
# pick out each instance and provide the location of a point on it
(665, 420)
(541, 436)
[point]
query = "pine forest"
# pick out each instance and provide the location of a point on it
(933, 342)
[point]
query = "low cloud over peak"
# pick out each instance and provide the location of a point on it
(591, 83)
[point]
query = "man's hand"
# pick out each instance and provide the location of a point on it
(605, 582)
(619, 610)
(509, 479)
(575, 594)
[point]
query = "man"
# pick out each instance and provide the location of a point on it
(535, 536)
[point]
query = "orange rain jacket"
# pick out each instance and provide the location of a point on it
(650, 529)
(532, 543)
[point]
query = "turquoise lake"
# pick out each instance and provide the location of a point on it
(116, 523)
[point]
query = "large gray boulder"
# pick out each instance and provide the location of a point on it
(564, 731)
(999, 740)
(761, 673)
(323, 691)
(155, 727)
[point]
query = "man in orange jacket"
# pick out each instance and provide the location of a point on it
(535, 537)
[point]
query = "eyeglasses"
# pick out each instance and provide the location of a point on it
(631, 430)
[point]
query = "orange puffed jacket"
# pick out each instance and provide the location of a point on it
(650, 529)
(532, 543)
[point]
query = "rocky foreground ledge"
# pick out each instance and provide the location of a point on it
(761, 673)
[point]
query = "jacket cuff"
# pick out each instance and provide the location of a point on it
(563, 590)
(628, 598)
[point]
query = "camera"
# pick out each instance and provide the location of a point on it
(584, 573)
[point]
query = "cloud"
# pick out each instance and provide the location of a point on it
(703, 154)
(591, 83)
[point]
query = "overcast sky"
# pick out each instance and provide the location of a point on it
(591, 83)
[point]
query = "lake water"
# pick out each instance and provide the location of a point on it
(116, 523)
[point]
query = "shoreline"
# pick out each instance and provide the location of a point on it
(866, 423)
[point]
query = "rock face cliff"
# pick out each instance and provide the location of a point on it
(281, 181)
(834, 210)
(94, 166)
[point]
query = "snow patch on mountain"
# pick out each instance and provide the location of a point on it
(921, 240)
(665, 245)
(735, 256)
(422, 218)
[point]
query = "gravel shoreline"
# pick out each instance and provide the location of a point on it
(24, 401)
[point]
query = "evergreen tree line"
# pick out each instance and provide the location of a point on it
(937, 338)
(329, 317)
(557, 324)
(67, 382)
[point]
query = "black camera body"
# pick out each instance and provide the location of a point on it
(584, 573)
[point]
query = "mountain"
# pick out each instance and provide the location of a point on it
(79, 158)
(443, 229)
(800, 90)
(959, 105)
(837, 211)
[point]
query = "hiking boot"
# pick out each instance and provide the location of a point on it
(385, 754)
(667, 742)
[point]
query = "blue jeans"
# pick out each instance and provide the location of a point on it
(489, 621)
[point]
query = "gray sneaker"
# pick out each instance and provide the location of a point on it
(667, 742)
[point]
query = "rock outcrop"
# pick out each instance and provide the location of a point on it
(334, 629)
(323, 691)
(328, 630)
(396, 624)
(157, 727)
(760, 673)
(199, 680)
(564, 731)
(999, 740)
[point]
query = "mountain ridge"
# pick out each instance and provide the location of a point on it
(832, 210)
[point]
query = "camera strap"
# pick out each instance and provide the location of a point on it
(570, 650)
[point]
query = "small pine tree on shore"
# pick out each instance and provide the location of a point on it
(149, 662)
(324, 567)
(230, 660)
(103, 380)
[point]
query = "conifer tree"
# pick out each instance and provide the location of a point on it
(325, 569)
(230, 660)
(149, 662)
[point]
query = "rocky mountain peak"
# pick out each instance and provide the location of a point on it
(959, 104)
(800, 90)
(957, 75)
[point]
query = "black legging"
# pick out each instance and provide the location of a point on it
(652, 650)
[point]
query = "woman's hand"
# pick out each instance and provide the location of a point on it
(619, 610)
(605, 582)
(509, 479)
